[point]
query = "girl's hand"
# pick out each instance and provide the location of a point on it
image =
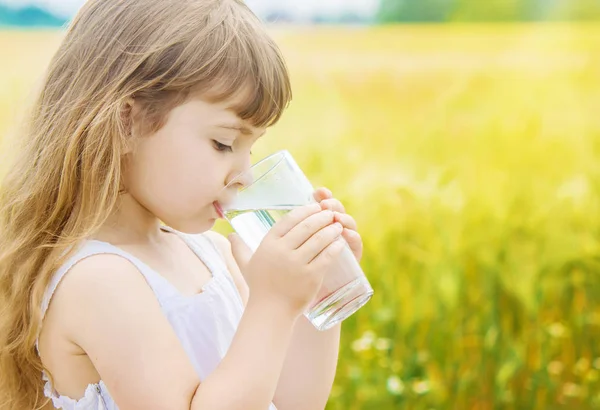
(350, 234)
(288, 267)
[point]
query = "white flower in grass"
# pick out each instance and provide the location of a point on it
(365, 342)
(395, 385)
(383, 344)
(421, 386)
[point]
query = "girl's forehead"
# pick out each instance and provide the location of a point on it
(232, 105)
(249, 98)
(221, 114)
(238, 98)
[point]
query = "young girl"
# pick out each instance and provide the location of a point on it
(114, 294)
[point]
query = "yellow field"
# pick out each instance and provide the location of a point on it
(470, 156)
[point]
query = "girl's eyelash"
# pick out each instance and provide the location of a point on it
(222, 147)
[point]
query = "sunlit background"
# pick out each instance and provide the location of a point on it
(464, 136)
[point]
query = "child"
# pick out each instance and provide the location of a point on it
(149, 108)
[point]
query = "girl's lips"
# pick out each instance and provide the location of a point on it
(219, 210)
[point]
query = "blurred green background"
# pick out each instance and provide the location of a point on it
(469, 153)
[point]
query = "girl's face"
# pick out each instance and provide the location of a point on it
(179, 172)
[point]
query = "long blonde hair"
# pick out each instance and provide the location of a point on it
(67, 174)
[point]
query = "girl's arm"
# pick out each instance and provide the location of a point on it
(309, 370)
(311, 361)
(310, 367)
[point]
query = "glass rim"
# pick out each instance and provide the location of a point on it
(282, 153)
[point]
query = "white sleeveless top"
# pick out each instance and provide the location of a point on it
(204, 323)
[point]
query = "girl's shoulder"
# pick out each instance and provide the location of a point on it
(98, 272)
(96, 286)
(92, 265)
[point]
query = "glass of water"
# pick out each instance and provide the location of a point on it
(269, 190)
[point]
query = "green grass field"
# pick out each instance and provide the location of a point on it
(470, 156)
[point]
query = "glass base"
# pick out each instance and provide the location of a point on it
(341, 304)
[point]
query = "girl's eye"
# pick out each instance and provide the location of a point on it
(222, 147)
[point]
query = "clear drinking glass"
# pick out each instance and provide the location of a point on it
(269, 190)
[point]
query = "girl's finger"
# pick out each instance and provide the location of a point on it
(330, 253)
(346, 220)
(333, 205)
(307, 228)
(321, 194)
(319, 242)
(355, 242)
(289, 221)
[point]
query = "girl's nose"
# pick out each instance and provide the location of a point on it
(228, 195)
(242, 180)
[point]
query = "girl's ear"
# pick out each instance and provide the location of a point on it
(128, 111)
